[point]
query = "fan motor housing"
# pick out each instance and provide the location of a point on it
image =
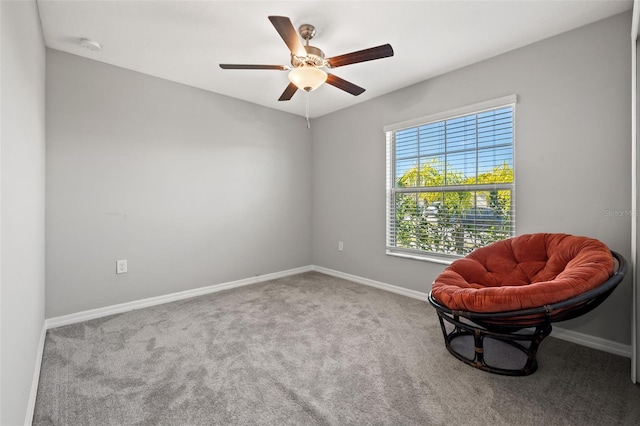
(315, 57)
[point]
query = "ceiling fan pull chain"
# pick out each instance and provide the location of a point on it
(307, 112)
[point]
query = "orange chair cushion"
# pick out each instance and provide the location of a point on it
(524, 272)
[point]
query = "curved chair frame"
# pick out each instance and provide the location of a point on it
(523, 329)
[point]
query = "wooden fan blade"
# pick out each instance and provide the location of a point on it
(343, 84)
(288, 92)
(253, 67)
(285, 28)
(378, 52)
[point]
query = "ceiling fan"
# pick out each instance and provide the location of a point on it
(307, 62)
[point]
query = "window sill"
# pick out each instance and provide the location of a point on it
(424, 258)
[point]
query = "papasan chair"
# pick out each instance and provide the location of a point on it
(496, 305)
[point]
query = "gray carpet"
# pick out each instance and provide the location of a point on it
(309, 350)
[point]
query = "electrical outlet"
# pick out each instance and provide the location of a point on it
(121, 266)
(340, 246)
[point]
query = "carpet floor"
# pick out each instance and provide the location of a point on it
(309, 349)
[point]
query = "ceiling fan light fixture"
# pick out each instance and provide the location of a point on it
(307, 77)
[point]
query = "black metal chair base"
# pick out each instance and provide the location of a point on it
(526, 341)
(523, 330)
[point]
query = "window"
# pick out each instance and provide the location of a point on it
(450, 180)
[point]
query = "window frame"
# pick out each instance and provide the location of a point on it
(391, 190)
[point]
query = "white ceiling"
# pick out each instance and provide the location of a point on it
(184, 41)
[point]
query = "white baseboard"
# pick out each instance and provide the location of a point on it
(568, 335)
(158, 300)
(377, 284)
(592, 342)
(31, 403)
(558, 332)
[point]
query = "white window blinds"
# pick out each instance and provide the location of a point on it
(450, 180)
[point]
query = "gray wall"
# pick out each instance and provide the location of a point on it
(22, 167)
(572, 157)
(192, 188)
